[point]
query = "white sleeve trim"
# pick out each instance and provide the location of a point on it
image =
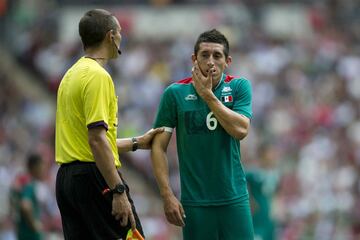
(168, 129)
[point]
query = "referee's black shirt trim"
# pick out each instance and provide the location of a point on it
(98, 124)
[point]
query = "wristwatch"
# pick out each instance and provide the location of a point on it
(119, 188)
(135, 144)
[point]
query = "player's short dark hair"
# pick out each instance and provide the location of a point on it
(33, 160)
(213, 36)
(94, 25)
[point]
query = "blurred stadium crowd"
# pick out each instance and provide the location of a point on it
(302, 57)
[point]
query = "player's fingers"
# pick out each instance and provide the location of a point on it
(196, 78)
(179, 219)
(200, 74)
(196, 69)
(211, 73)
(197, 64)
(175, 218)
(194, 73)
(182, 212)
(170, 217)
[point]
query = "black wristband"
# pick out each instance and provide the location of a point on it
(135, 144)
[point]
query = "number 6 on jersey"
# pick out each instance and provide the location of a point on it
(211, 121)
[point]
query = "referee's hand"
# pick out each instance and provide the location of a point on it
(174, 211)
(145, 140)
(121, 210)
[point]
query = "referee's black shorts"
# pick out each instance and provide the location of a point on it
(85, 211)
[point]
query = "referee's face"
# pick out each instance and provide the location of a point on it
(212, 55)
(115, 40)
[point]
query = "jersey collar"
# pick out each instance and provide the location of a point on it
(221, 81)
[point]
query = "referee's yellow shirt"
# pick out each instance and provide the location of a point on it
(86, 99)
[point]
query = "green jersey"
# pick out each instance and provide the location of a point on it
(25, 232)
(262, 184)
(209, 158)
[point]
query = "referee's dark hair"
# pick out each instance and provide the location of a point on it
(33, 160)
(213, 36)
(94, 25)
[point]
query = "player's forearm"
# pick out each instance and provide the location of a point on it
(104, 159)
(234, 123)
(161, 171)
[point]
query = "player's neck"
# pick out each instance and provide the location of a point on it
(215, 83)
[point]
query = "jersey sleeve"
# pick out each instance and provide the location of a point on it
(243, 98)
(97, 95)
(166, 115)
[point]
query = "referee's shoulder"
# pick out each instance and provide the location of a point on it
(99, 71)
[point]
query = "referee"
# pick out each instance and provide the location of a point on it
(92, 196)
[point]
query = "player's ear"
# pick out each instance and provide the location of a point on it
(193, 58)
(228, 61)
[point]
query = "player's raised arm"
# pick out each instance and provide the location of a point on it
(235, 124)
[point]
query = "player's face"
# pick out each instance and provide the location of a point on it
(39, 171)
(212, 54)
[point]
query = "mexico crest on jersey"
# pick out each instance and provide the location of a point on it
(226, 99)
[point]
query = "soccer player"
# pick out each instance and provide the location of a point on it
(211, 112)
(262, 180)
(28, 225)
(93, 198)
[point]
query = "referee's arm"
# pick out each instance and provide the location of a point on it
(143, 142)
(121, 208)
(103, 156)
